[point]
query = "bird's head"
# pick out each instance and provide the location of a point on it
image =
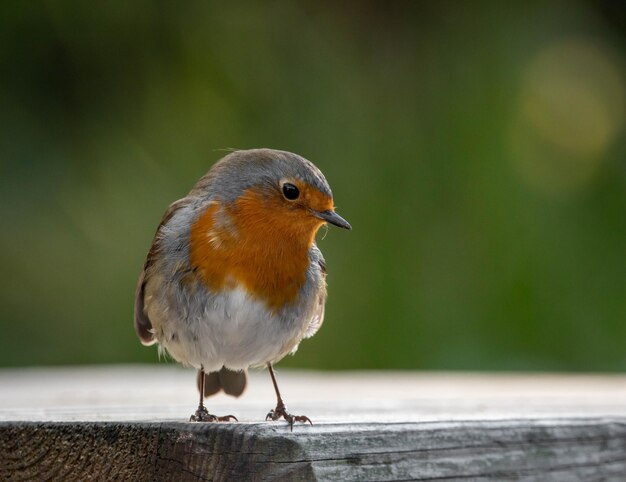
(274, 192)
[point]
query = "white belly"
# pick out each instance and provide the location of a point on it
(233, 330)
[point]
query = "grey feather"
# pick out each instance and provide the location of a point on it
(241, 170)
(317, 260)
(143, 325)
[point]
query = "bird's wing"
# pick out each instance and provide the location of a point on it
(143, 326)
(318, 314)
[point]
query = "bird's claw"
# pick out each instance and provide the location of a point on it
(227, 418)
(281, 412)
(203, 415)
(301, 418)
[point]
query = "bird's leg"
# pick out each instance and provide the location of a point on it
(202, 414)
(281, 408)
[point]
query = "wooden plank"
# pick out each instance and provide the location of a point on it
(534, 450)
(376, 426)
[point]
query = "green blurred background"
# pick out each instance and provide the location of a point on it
(477, 149)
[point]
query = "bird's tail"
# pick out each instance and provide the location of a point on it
(233, 383)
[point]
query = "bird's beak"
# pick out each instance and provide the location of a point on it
(332, 217)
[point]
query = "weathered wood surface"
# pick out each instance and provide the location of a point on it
(128, 423)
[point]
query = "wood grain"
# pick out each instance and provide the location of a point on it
(520, 428)
(513, 450)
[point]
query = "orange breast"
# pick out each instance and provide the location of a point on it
(265, 249)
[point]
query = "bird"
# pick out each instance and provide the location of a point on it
(234, 278)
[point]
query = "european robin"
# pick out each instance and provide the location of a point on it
(233, 278)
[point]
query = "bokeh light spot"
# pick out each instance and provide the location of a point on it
(570, 109)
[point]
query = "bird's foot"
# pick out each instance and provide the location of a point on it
(281, 412)
(203, 415)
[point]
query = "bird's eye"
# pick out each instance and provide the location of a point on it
(290, 191)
